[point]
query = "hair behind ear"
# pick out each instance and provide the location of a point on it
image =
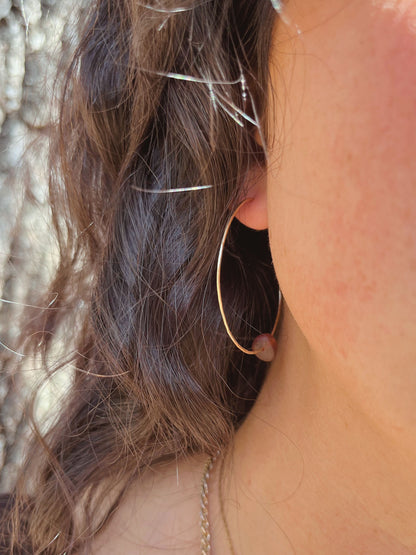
(154, 375)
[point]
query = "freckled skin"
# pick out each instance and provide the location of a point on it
(336, 416)
(342, 188)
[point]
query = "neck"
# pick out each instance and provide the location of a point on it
(312, 470)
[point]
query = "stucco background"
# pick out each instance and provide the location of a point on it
(33, 35)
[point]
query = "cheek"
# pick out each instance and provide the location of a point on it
(342, 186)
(347, 268)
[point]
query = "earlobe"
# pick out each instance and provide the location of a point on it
(253, 214)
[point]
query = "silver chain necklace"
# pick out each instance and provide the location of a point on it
(204, 521)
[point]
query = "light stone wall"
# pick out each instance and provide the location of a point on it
(33, 33)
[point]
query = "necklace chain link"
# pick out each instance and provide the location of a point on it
(204, 520)
(205, 535)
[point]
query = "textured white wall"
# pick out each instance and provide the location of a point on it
(33, 33)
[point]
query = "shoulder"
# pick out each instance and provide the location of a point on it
(160, 512)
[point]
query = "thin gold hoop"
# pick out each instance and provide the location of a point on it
(227, 327)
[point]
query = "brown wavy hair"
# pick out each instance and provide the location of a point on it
(154, 374)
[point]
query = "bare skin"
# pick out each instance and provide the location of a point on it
(326, 460)
(160, 514)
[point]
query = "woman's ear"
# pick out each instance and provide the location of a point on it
(254, 214)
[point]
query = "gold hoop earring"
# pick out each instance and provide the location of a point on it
(264, 346)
